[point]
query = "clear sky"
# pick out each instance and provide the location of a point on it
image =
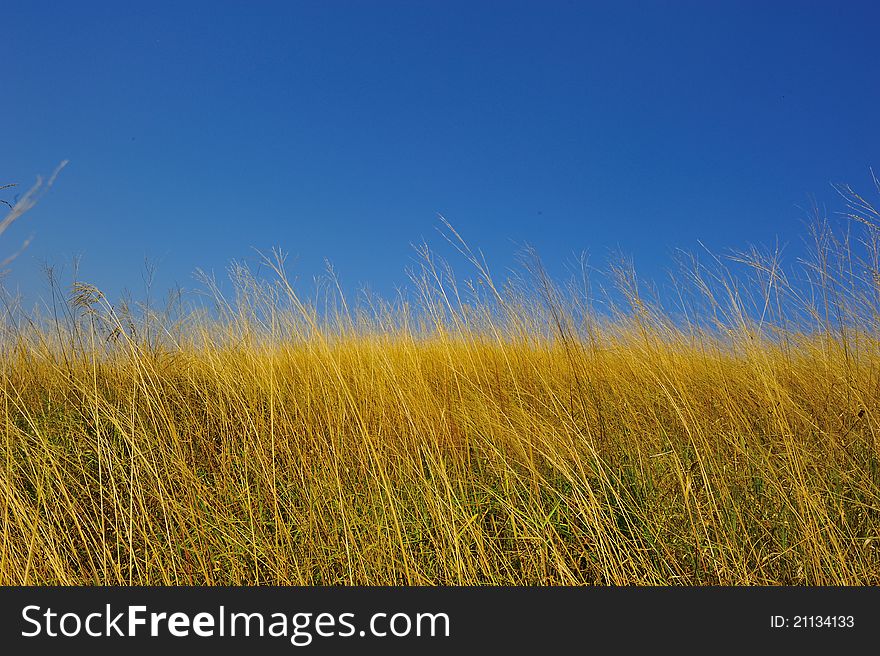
(196, 131)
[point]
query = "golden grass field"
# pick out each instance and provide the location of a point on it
(523, 433)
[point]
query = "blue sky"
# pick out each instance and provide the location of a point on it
(198, 131)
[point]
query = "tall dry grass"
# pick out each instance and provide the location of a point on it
(469, 433)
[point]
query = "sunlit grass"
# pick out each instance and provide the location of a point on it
(470, 434)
